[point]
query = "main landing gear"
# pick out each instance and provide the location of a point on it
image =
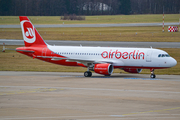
(152, 73)
(87, 74)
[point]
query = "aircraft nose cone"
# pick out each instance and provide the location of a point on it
(173, 62)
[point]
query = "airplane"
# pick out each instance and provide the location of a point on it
(101, 60)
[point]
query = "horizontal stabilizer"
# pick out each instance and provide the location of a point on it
(28, 51)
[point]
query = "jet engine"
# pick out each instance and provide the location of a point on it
(104, 69)
(132, 70)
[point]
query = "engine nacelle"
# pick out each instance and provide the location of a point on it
(104, 69)
(132, 70)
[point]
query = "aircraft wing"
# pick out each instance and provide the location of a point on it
(85, 62)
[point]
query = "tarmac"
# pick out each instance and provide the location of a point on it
(71, 96)
(95, 25)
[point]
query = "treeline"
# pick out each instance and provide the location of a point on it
(155, 6)
(87, 7)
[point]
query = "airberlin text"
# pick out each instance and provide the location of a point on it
(124, 55)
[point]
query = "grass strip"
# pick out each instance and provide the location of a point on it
(103, 19)
(134, 34)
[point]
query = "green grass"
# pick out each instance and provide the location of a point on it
(13, 61)
(149, 18)
(150, 34)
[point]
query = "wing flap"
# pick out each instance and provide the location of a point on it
(85, 62)
(52, 58)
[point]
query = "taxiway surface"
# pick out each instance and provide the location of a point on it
(70, 96)
(95, 25)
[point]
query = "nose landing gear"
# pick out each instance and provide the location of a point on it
(152, 74)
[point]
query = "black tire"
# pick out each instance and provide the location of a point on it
(153, 76)
(90, 74)
(87, 74)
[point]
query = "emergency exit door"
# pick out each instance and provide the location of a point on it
(148, 57)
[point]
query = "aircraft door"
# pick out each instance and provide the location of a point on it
(148, 57)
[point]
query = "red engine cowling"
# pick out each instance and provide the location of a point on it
(132, 70)
(104, 69)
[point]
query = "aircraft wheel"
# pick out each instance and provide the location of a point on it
(153, 76)
(87, 74)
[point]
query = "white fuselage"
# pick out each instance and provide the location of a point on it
(129, 57)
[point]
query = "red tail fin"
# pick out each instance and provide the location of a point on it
(30, 35)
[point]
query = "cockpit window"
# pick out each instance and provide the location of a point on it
(163, 55)
(167, 55)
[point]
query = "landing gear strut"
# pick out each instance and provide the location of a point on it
(152, 73)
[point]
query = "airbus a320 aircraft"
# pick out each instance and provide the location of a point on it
(101, 60)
